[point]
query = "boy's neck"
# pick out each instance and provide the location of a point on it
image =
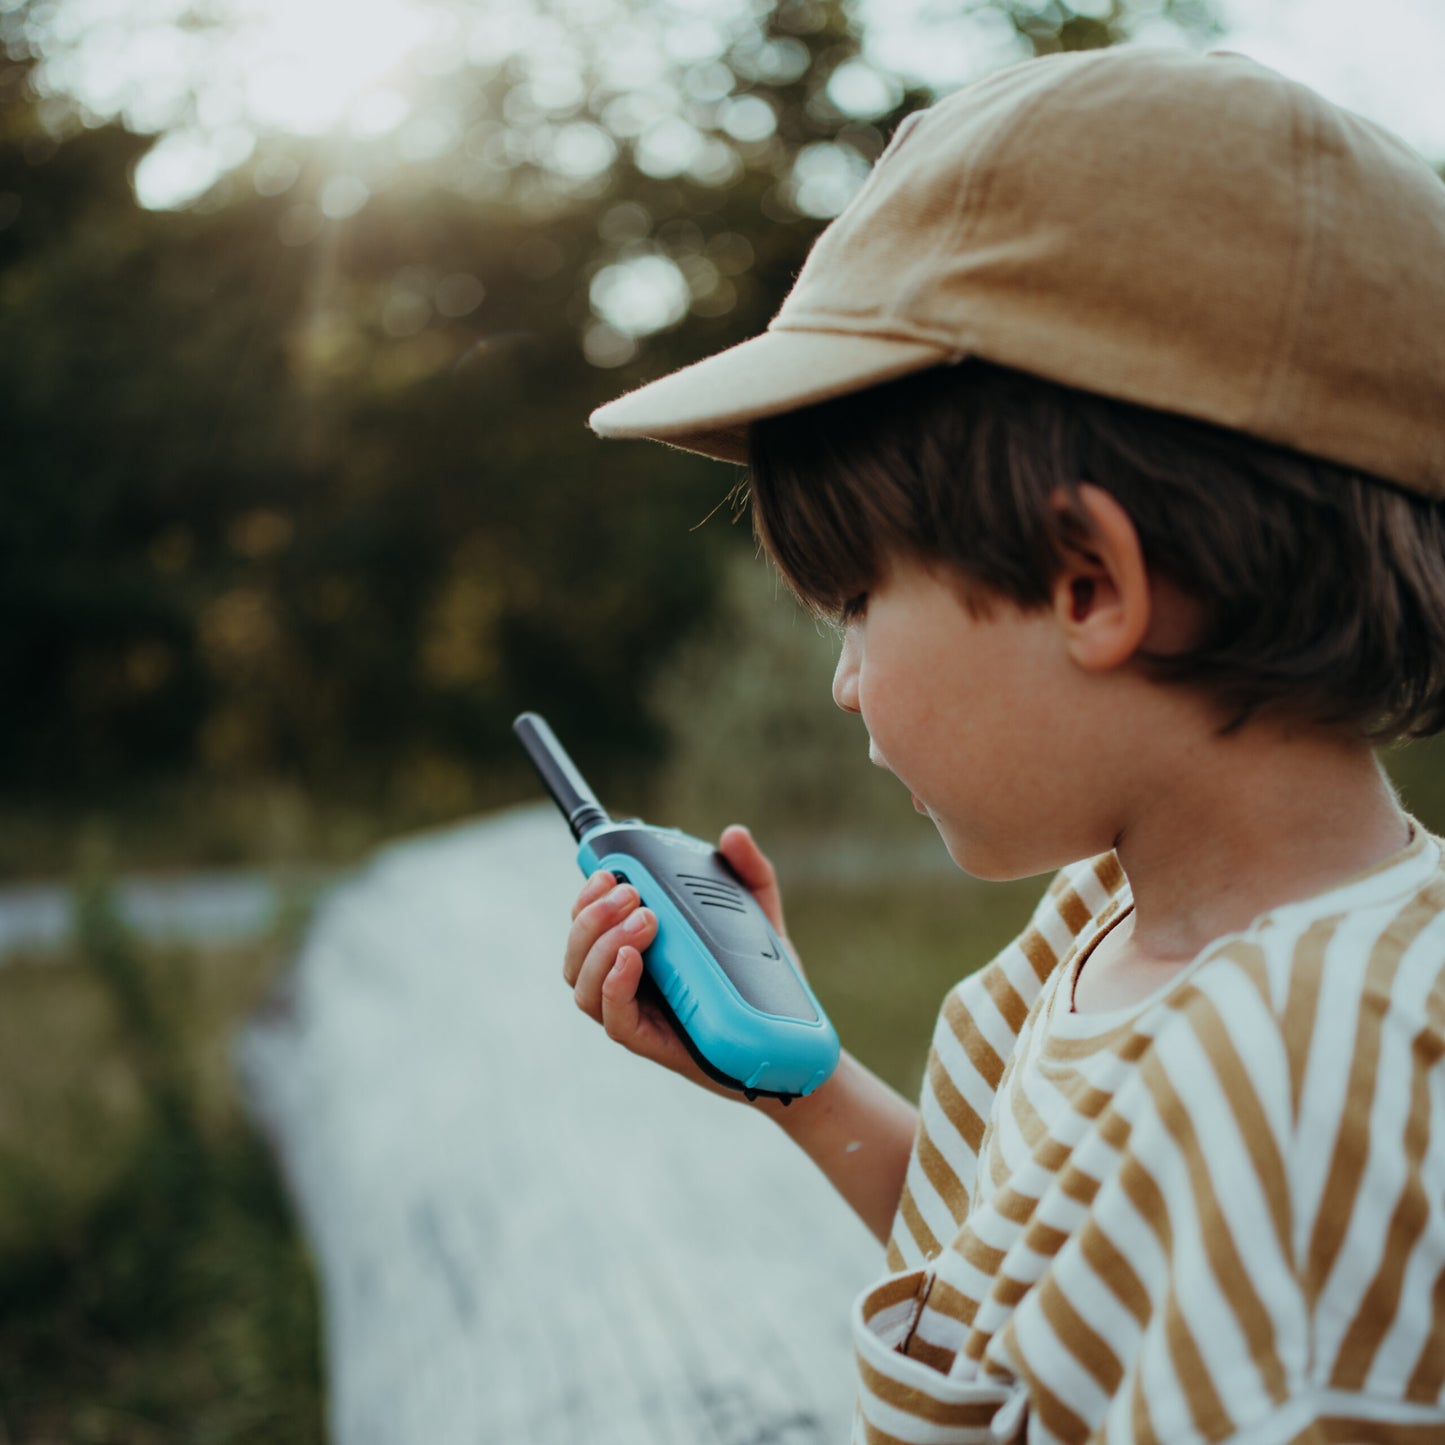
(1280, 817)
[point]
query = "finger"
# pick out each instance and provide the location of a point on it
(591, 923)
(640, 1025)
(621, 1012)
(755, 869)
(638, 930)
(593, 889)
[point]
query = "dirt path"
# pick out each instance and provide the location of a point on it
(522, 1233)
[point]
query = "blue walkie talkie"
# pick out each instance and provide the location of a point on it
(724, 976)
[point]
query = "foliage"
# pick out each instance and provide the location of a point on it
(297, 494)
(755, 734)
(152, 1287)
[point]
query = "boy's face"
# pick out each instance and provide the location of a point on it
(982, 716)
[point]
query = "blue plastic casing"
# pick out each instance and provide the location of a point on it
(748, 1015)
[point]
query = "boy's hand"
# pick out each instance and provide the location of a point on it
(603, 959)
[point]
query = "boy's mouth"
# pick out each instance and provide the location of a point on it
(879, 761)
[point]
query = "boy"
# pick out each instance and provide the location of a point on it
(1107, 423)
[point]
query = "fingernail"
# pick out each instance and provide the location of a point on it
(634, 922)
(620, 895)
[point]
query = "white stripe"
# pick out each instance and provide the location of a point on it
(1052, 1362)
(1057, 934)
(959, 1067)
(992, 1026)
(1196, 1293)
(1239, 1193)
(1410, 1329)
(1258, 1044)
(1086, 884)
(1383, 1180)
(891, 1324)
(936, 1214)
(1020, 973)
(883, 1416)
(1322, 1095)
(909, 1249)
(1089, 1293)
(944, 1332)
(1409, 1332)
(1162, 1391)
(962, 1275)
(943, 1134)
(1292, 1418)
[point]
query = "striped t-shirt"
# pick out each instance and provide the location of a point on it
(1218, 1215)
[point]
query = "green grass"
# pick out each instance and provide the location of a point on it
(883, 956)
(152, 1284)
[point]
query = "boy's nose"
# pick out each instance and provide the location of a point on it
(845, 675)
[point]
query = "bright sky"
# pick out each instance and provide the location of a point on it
(1382, 58)
(312, 67)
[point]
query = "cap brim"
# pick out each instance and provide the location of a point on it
(707, 407)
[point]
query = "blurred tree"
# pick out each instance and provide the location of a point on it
(295, 480)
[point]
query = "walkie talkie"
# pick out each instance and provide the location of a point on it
(722, 973)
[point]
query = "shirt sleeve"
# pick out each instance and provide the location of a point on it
(972, 1043)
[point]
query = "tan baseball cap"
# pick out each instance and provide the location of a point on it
(1193, 233)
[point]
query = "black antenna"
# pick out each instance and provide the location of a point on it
(559, 775)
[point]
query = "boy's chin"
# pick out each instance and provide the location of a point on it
(978, 860)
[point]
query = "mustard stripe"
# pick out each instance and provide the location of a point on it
(1206, 1409)
(1081, 1340)
(1210, 1028)
(1427, 1381)
(1340, 1430)
(1042, 958)
(936, 1357)
(1076, 914)
(961, 1114)
(1350, 1159)
(893, 1292)
(980, 1052)
(1381, 1301)
(948, 1300)
(1220, 1249)
(1302, 1004)
(1062, 1422)
(1115, 1271)
(913, 1401)
(939, 1173)
(923, 1236)
(1350, 1154)
(1006, 1000)
(1109, 872)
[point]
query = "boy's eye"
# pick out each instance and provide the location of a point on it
(853, 609)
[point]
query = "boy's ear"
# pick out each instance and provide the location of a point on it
(1101, 598)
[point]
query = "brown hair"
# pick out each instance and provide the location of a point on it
(1323, 589)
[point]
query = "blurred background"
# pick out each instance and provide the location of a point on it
(303, 305)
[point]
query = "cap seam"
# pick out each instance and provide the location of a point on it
(823, 323)
(1272, 401)
(973, 197)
